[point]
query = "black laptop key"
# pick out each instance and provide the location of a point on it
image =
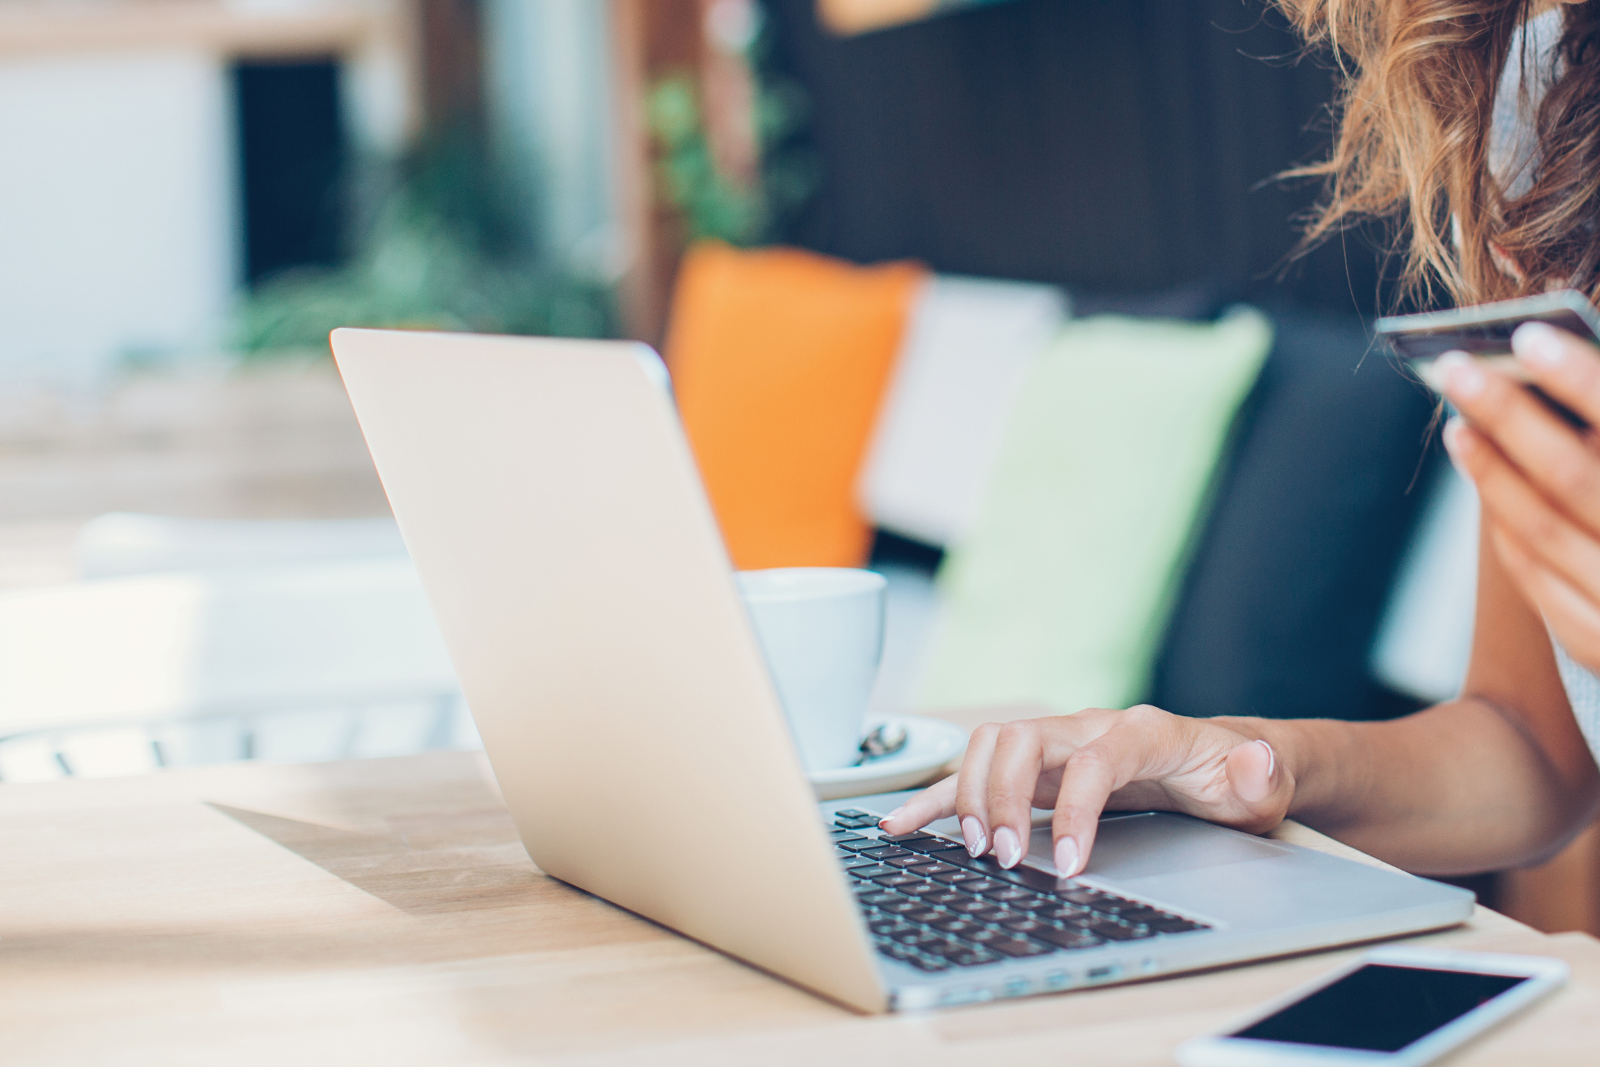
(961, 857)
(1017, 947)
(1040, 905)
(957, 876)
(985, 934)
(890, 927)
(855, 824)
(915, 859)
(895, 904)
(894, 951)
(1025, 926)
(920, 888)
(1067, 939)
(924, 843)
(874, 871)
(860, 844)
(956, 925)
(896, 879)
(928, 963)
(970, 905)
(884, 852)
(946, 947)
(922, 939)
(1110, 905)
(984, 887)
(931, 867)
(921, 913)
(1142, 914)
(946, 896)
(1039, 881)
(1056, 911)
(1117, 932)
(1089, 898)
(850, 859)
(1014, 896)
(882, 898)
(1175, 925)
(844, 835)
(1036, 880)
(974, 957)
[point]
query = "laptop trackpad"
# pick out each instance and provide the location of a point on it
(1137, 846)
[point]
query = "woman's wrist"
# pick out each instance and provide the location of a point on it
(1324, 758)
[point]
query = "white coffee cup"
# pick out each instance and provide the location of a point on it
(821, 631)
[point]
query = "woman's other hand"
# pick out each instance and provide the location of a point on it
(1140, 759)
(1538, 478)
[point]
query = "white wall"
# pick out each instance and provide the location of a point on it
(117, 231)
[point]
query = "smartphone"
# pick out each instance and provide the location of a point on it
(1484, 330)
(1394, 1007)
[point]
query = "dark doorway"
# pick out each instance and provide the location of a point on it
(291, 155)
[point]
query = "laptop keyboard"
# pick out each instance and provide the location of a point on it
(928, 903)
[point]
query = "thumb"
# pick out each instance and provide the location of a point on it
(1253, 772)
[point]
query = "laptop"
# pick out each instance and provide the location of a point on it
(549, 500)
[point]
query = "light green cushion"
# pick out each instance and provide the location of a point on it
(1062, 590)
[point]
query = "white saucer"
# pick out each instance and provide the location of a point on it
(930, 745)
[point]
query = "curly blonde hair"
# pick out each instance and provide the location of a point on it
(1413, 139)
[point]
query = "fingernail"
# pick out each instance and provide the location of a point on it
(1066, 857)
(1006, 847)
(1454, 443)
(1272, 757)
(1534, 342)
(895, 814)
(972, 833)
(1462, 377)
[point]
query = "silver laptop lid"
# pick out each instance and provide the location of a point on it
(549, 501)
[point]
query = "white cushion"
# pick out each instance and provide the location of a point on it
(966, 349)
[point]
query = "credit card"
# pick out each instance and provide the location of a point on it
(1484, 331)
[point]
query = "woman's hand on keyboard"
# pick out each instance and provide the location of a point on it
(1141, 759)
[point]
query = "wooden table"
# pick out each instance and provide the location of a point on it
(383, 911)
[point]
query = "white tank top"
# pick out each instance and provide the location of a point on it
(1511, 150)
(1583, 693)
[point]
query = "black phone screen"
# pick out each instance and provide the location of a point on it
(1381, 1008)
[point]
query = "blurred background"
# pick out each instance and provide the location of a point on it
(1011, 283)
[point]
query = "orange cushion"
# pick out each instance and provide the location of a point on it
(779, 360)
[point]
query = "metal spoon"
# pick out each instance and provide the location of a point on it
(884, 740)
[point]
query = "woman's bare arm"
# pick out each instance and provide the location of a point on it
(1499, 777)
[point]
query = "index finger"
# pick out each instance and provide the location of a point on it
(1562, 364)
(936, 802)
(1547, 451)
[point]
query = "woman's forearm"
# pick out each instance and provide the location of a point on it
(1457, 788)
